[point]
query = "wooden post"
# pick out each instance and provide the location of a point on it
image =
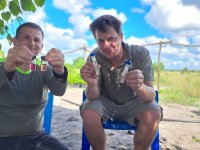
(85, 51)
(158, 67)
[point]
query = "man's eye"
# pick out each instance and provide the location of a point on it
(37, 40)
(100, 41)
(111, 39)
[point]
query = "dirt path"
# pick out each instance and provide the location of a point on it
(179, 128)
(180, 125)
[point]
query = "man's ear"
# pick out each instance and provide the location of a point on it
(41, 48)
(14, 41)
(122, 36)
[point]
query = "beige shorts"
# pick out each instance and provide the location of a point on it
(126, 112)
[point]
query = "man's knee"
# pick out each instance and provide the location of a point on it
(150, 116)
(90, 117)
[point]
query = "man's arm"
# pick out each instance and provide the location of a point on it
(92, 92)
(146, 91)
(58, 84)
(4, 76)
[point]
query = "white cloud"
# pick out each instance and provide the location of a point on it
(101, 11)
(173, 16)
(137, 10)
(38, 17)
(77, 9)
(64, 40)
(80, 13)
(173, 57)
(71, 6)
(81, 24)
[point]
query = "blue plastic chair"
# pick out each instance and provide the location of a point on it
(120, 125)
(48, 114)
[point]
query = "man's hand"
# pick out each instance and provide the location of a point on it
(88, 74)
(135, 79)
(56, 59)
(16, 57)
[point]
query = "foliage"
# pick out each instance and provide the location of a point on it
(184, 70)
(11, 9)
(74, 71)
(194, 138)
(2, 56)
(155, 66)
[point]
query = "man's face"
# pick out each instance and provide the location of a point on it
(109, 43)
(31, 38)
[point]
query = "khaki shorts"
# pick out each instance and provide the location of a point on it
(126, 112)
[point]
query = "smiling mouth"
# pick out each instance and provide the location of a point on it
(36, 49)
(110, 51)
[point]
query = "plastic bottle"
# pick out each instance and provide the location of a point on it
(43, 65)
(128, 65)
(94, 61)
(33, 64)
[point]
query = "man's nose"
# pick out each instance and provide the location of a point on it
(32, 42)
(106, 44)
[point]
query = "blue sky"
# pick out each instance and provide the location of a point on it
(66, 26)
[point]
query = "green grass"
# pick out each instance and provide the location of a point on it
(180, 88)
(194, 138)
(176, 96)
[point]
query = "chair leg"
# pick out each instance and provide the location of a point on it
(156, 143)
(48, 114)
(85, 143)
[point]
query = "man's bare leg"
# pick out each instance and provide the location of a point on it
(94, 130)
(146, 131)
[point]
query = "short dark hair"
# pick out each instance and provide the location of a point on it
(103, 22)
(31, 25)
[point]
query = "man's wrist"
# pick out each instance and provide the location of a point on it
(10, 74)
(6, 70)
(141, 88)
(63, 75)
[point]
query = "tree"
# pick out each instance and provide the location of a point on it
(155, 66)
(184, 70)
(2, 56)
(74, 68)
(11, 10)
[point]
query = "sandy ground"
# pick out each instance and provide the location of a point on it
(181, 124)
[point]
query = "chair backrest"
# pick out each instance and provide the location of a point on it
(48, 114)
